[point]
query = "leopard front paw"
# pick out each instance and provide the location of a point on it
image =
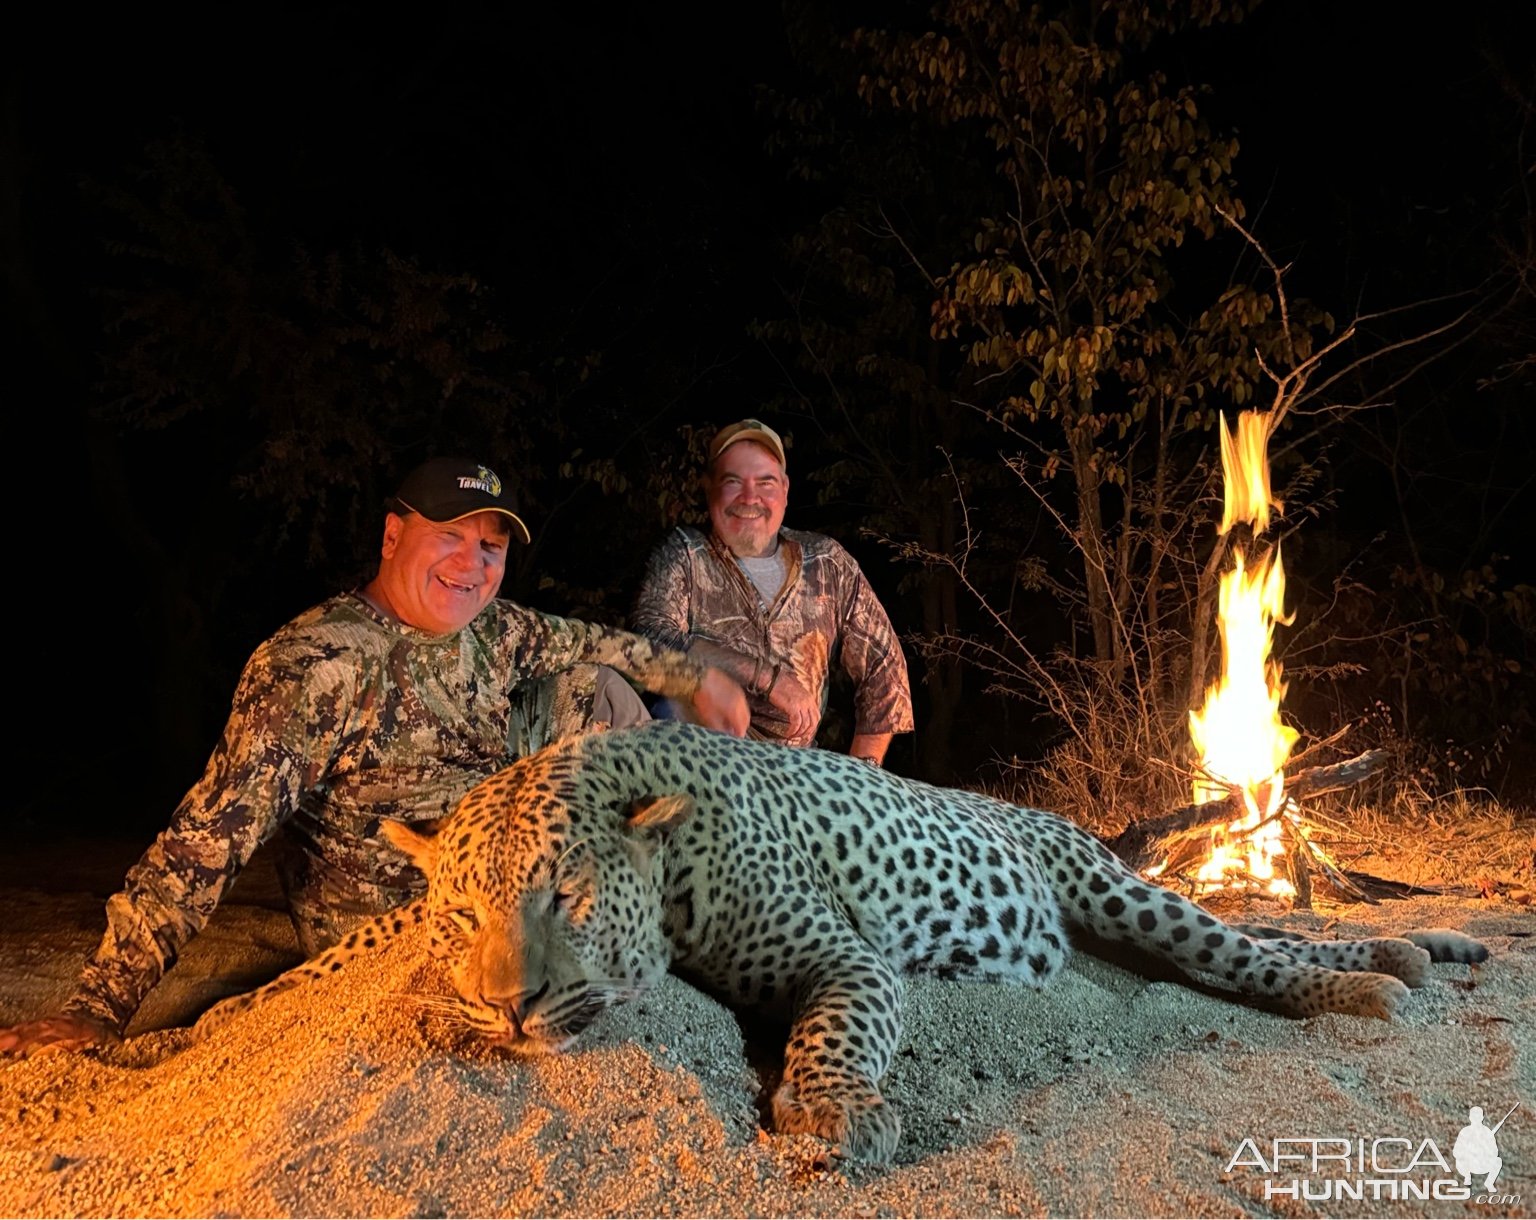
(861, 1126)
(1401, 958)
(1361, 995)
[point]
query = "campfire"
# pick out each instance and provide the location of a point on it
(1245, 832)
(1238, 735)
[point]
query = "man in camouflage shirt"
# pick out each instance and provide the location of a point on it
(388, 702)
(773, 607)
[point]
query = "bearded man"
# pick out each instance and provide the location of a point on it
(774, 608)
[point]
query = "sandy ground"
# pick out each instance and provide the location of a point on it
(1108, 1094)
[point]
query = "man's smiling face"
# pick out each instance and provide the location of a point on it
(748, 493)
(438, 575)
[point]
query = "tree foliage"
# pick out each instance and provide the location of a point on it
(1067, 298)
(1029, 244)
(1006, 268)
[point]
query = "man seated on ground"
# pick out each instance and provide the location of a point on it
(391, 701)
(774, 607)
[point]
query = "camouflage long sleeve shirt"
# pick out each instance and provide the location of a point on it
(824, 613)
(340, 719)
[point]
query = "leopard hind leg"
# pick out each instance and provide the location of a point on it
(1105, 897)
(1448, 945)
(1407, 956)
(1442, 944)
(1392, 955)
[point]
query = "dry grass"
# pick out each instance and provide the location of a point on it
(1463, 839)
(1112, 772)
(1461, 846)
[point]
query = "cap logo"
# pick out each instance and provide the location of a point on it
(483, 480)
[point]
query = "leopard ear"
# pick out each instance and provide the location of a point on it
(661, 813)
(417, 840)
(650, 820)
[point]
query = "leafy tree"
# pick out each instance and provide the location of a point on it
(1017, 183)
(1070, 223)
(1067, 299)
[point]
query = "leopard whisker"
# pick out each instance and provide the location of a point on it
(433, 1003)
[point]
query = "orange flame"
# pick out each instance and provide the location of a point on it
(1245, 474)
(1238, 733)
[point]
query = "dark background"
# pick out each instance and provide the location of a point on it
(605, 183)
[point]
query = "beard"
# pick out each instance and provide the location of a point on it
(749, 531)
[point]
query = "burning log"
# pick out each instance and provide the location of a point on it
(1246, 833)
(1173, 846)
(1136, 844)
(1239, 738)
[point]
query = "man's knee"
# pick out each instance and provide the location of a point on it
(615, 702)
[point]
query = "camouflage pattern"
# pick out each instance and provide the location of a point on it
(342, 718)
(580, 700)
(826, 612)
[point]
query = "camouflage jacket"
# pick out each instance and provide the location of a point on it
(695, 590)
(340, 719)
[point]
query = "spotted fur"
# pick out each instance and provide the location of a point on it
(802, 882)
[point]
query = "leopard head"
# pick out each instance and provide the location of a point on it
(546, 910)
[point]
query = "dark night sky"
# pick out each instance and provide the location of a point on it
(495, 140)
(581, 164)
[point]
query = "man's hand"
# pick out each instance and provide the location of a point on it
(800, 707)
(720, 704)
(61, 1033)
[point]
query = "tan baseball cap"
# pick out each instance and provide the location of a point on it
(748, 430)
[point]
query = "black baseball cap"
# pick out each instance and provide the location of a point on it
(446, 489)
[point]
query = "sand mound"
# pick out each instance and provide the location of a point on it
(1107, 1094)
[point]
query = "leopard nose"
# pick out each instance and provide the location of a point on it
(516, 1003)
